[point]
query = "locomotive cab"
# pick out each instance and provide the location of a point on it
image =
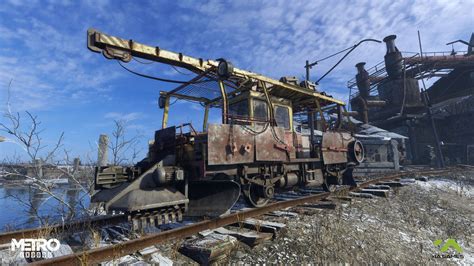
(274, 135)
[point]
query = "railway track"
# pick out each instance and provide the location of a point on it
(111, 252)
(63, 228)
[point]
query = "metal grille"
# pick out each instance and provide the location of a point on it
(204, 87)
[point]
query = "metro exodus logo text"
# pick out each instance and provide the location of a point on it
(35, 247)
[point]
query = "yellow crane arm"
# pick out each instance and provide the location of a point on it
(116, 48)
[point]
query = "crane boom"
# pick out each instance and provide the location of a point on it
(117, 48)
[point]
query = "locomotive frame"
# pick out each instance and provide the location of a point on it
(256, 149)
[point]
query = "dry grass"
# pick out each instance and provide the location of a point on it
(399, 229)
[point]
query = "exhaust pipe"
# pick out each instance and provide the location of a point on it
(363, 81)
(393, 58)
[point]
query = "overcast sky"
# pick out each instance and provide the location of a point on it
(72, 90)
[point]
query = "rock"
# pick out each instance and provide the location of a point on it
(422, 178)
(239, 254)
(148, 251)
(125, 260)
(161, 260)
(8, 257)
(64, 249)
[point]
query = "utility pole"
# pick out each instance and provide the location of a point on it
(308, 66)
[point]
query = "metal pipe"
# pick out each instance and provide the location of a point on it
(206, 115)
(439, 153)
(390, 43)
(321, 114)
(393, 58)
(311, 133)
(363, 81)
(166, 109)
(224, 102)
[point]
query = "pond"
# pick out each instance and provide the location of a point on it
(21, 205)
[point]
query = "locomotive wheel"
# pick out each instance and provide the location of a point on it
(253, 195)
(356, 151)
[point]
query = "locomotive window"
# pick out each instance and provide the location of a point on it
(260, 110)
(239, 112)
(239, 108)
(282, 116)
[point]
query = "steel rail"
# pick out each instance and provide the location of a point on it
(128, 247)
(76, 226)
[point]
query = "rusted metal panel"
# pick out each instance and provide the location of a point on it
(229, 144)
(334, 147)
(269, 148)
(289, 139)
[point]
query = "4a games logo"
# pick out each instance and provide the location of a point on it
(449, 245)
(35, 247)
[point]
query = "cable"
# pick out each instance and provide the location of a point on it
(143, 62)
(340, 60)
(255, 132)
(175, 69)
(173, 102)
(151, 62)
(161, 79)
(329, 56)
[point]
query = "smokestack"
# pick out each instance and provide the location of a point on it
(363, 81)
(102, 152)
(393, 58)
(390, 42)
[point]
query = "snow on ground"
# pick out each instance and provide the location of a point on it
(444, 183)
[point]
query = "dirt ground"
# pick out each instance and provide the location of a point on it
(399, 229)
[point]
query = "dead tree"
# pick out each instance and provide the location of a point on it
(123, 150)
(24, 130)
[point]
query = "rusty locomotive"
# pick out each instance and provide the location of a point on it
(256, 150)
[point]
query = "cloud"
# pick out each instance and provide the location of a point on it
(47, 62)
(52, 67)
(124, 116)
(276, 37)
(42, 46)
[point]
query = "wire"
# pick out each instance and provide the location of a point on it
(173, 102)
(329, 56)
(161, 79)
(255, 132)
(340, 60)
(175, 69)
(143, 62)
(151, 62)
